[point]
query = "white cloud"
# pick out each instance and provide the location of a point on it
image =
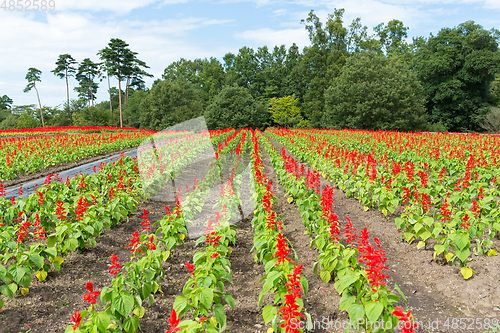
(116, 6)
(29, 43)
(270, 37)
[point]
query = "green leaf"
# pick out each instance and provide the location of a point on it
(131, 324)
(180, 304)
(269, 313)
(124, 304)
(220, 315)
(346, 300)
(51, 252)
(373, 310)
(356, 311)
(396, 287)
(102, 320)
(325, 276)
(345, 282)
(206, 297)
(230, 300)
(462, 254)
(6, 291)
(51, 241)
(37, 259)
(461, 241)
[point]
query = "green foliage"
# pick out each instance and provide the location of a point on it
(10, 122)
(375, 93)
(5, 102)
(235, 107)
(285, 111)
(92, 116)
(32, 76)
(392, 39)
(121, 62)
(88, 71)
(168, 103)
(437, 127)
(456, 68)
(491, 122)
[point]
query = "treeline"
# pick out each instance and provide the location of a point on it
(117, 61)
(346, 78)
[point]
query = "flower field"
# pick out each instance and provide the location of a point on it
(251, 231)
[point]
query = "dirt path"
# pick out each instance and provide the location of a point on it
(435, 292)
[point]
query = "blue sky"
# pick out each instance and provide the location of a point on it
(166, 30)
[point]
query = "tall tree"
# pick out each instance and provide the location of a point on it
(64, 69)
(5, 102)
(375, 93)
(120, 62)
(235, 107)
(323, 60)
(33, 76)
(88, 71)
(456, 68)
(392, 39)
(134, 73)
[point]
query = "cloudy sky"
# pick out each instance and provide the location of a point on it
(163, 31)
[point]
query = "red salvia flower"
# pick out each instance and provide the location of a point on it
(145, 221)
(23, 229)
(350, 232)
(76, 318)
(135, 243)
(81, 208)
(282, 250)
(60, 211)
(190, 267)
(41, 201)
(445, 212)
(465, 221)
(90, 297)
(174, 322)
(214, 255)
(334, 229)
(40, 232)
(475, 208)
(20, 191)
(213, 238)
(115, 266)
(406, 319)
(290, 311)
(151, 245)
(2, 191)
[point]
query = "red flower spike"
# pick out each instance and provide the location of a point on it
(135, 243)
(408, 325)
(115, 266)
(189, 266)
(145, 223)
(90, 297)
(76, 318)
(151, 245)
(173, 321)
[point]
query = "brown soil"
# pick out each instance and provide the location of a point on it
(26, 177)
